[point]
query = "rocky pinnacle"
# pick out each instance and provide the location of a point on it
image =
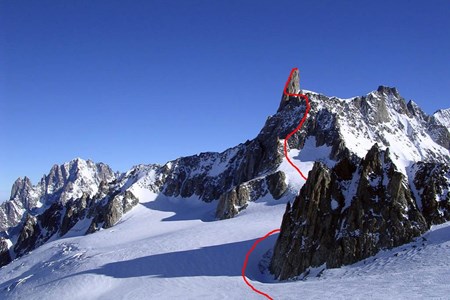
(292, 87)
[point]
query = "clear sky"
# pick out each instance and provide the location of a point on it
(128, 82)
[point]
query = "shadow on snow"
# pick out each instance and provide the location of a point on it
(184, 209)
(218, 260)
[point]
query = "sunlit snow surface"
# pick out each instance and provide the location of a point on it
(163, 250)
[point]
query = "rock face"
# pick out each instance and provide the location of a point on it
(5, 258)
(110, 214)
(432, 186)
(276, 183)
(75, 211)
(28, 236)
(210, 175)
(232, 202)
(345, 214)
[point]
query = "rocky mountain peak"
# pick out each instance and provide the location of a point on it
(416, 111)
(293, 86)
(390, 98)
(77, 165)
(385, 90)
(72, 179)
(376, 159)
(22, 191)
(20, 186)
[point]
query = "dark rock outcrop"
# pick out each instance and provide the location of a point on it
(432, 185)
(235, 200)
(5, 258)
(50, 221)
(118, 206)
(232, 202)
(75, 211)
(28, 236)
(345, 214)
(276, 184)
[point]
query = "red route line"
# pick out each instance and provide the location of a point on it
(246, 261)
(299, 125)
(292, 164)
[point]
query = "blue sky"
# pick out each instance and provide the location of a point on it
(128, 82)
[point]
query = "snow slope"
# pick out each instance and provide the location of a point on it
(163, 250)
(304, 160)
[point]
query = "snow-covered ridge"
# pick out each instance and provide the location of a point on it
(443, 116)
(309, 92)
(384, 117)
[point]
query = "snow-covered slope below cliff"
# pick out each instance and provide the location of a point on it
(163, 250)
